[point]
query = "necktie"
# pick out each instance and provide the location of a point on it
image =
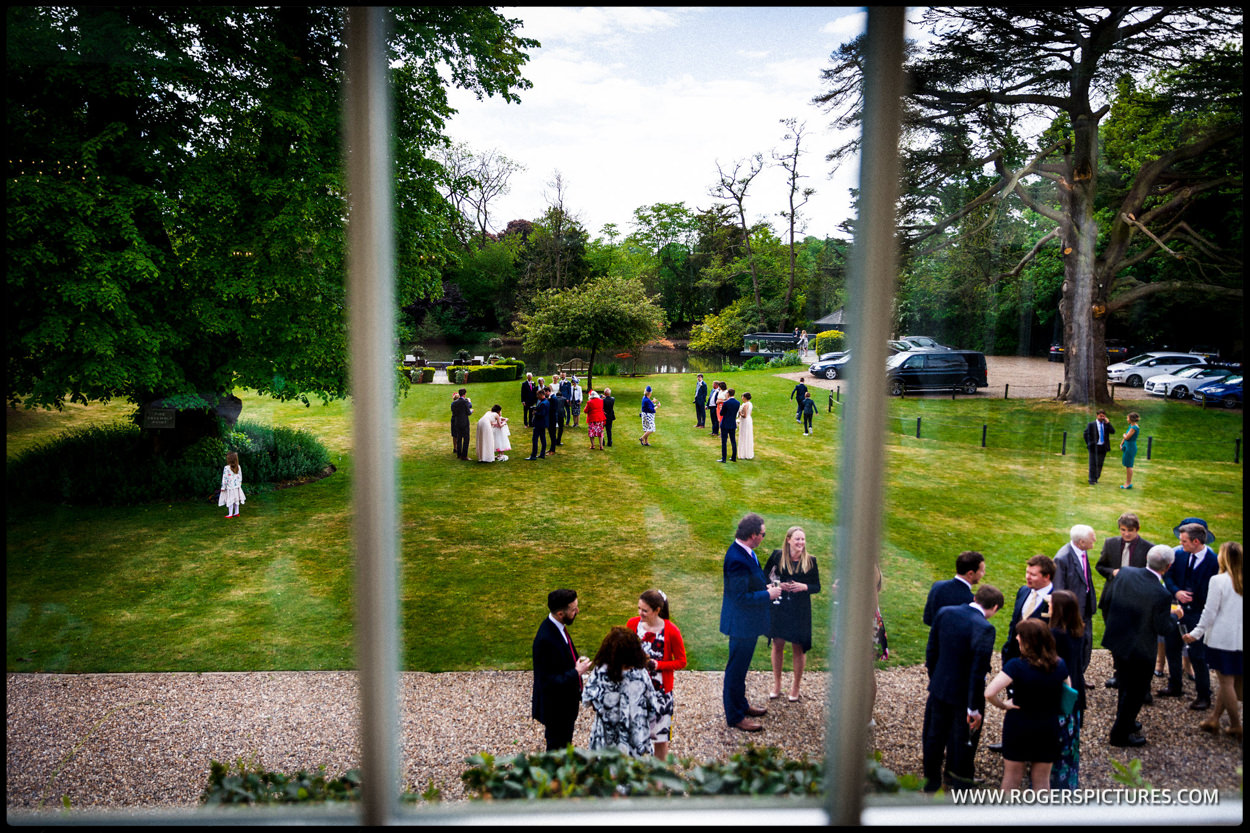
(573, 651)
(1030, 604)
(1100, 433)
(1128, 548)
(1193, 562)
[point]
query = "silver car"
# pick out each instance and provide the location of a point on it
(1138, 369)
(1181, 384)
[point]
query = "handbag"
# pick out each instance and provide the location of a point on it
(1067, 699)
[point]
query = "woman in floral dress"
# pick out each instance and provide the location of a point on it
(620, 691)
(666, 653)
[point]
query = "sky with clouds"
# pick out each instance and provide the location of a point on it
(636, 106)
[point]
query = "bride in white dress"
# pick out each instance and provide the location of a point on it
(746, 430)
(490, 434)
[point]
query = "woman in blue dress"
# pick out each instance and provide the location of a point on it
(1129, 446)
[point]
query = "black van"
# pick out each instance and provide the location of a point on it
(962, 370)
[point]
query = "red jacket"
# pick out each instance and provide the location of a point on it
(674, 651)
(594, 410)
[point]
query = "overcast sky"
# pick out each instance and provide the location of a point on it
(636, 106)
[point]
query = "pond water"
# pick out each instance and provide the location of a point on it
(649, 360)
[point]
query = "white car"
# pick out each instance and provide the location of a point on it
(1181, 384)
(1138, 369)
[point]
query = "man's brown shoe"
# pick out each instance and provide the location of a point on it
(752, 711)
(746, 724)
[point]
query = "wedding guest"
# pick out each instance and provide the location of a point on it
(489, 429)
(1068, 629)
(594, 419)
(746, 429)
(609, 414)
(1221, 629)
(620, 691)
(794, 568)
(577, 400)
(648, 416)
(666, 653)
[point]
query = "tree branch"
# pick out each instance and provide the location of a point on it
(1145, 290)
(1037, 247)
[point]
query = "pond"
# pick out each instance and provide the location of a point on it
(649, 360)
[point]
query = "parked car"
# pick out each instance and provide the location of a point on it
(962, 370)
(1138, 369)
(1226, 392)
(898, 346)
(923, 343)
(832, 365)
(1117, 351)
(1180, 384)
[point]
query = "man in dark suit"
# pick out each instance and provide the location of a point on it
(1194, 565)
(957, 659)
(1072, 572)
(729, 426)
(1098, 436)
(1032, 600)
(529, 396)
(799, 393)
(566, 399)
(555, 418)
(1137, 613)
(969, 569)
(715, 396)
(1128, 550)
(609, 414)
(744, 617)
(538, 421)
(558, 671)
(700, 402)
(461, 407)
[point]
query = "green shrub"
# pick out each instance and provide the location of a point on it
(422, 375)
(254, 785)
(827, 342)
(114, 465)
(477, 373)
(755, 363)
(607, 368)
(790, 358)
(517, 363)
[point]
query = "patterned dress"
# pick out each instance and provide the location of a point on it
(623, 710)
(231, 488)
(653, 647)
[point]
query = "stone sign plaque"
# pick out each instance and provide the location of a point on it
(158, 417)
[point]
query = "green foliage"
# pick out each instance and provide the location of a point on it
(830, 341)
(478, 373)
(114, 465)
(1130, 774)
(789, 358)
(722, 332)
(578, 773)
(517, 363)
(176, 222)
(607, 368)
(252, 784)
(755, 363)
(422, 375)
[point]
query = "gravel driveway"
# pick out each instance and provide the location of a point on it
(145, 740)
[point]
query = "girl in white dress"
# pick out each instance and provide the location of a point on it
(232, 486)
(503, 437)
(746, 430)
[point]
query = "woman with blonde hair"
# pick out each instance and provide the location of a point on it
(794, 569)
(1221, 626)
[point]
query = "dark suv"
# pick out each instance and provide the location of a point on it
(962, 370)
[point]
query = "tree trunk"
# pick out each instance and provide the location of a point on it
(1084, 302)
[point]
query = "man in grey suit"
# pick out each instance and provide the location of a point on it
(1138, 611)
(1073, 572)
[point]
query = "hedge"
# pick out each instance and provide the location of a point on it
(827, 342)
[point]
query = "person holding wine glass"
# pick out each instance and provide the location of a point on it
(793, 569)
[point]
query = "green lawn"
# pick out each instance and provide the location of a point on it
(176, 587)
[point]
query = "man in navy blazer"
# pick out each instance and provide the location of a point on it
(1137, 613)
(558, 671)
(1039, 573)
(1098, 436)
(700, 402)
(969, 569)
(1187, 581)
(729, 426)
(957, 659)
(538, 421)
(529, 396)
(744, 616)
(1073, 572)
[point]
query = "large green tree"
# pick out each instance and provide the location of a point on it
(601, 313)
(175, 224)
(990, 69)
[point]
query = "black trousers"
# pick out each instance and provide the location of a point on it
(700, 413)
(557, 432)
(461, 440)
(729, 436)
(540, 435)
(1173, 645)
(559, 734)
(607, 430)
(948, 740)
(1096, 456)
(1133, 678)
(529, 409)
(807, 423)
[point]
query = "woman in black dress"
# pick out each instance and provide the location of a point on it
(1031, 726)
(794, 569)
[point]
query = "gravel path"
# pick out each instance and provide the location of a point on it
(145, 740)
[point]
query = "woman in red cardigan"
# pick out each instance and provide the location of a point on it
(595, 419)
(666, 653)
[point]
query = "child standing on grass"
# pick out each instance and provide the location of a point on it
(232, 486)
